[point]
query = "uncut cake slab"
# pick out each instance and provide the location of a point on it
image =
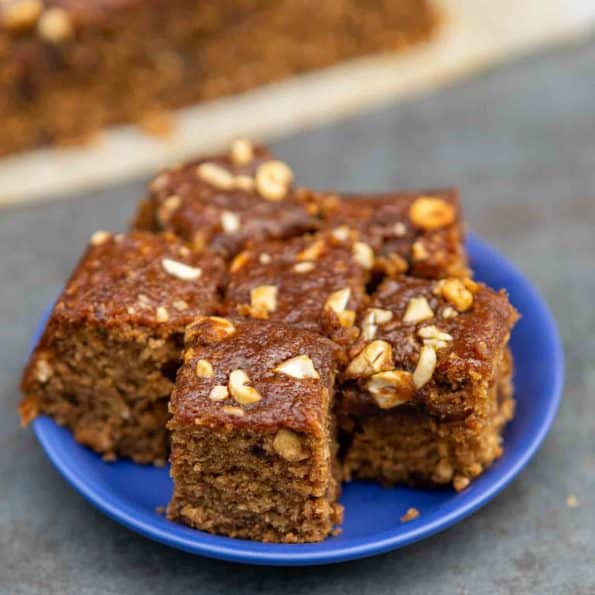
(66, 67)
(278, 344)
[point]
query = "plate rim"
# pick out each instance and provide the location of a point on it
(249, 552)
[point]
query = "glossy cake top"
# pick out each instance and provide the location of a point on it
(417, 233)
(254, 374)
(435, 343)
(317, 281)
(225, 200)
(140, 279)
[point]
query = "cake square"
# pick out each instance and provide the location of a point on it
(414, 233)
(253, 436)
(428, 388)
(316, 282)
(107, 360)
(223, 201)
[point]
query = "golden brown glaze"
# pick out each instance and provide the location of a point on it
(304, 271)
(466, 364)
(257, 348)
(123, 281)
(222, 218)
(384, 221)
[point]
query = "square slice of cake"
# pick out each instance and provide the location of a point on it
(414, 233)
(428, 388)
(253, 436)
(316, 282)
(107, 359)
(225, 200)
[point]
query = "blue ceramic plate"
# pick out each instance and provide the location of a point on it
(130, 493)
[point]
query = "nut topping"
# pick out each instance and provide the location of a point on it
(162, 315)
(245, 183)
(449, 312)
(54, 25)
(180, 270)
(180, 305)
(230, 222)
(419, 251)
(379, 316)
(434, 337)
(455, 292)
(425, 366)
(263, 299)
(375, 357)
(311, 252)
(216, 176)
(204, 368)
(240, 389)
(265, 258)
(233, 411)
(239, 261)
(100, 237)
(393, 264)
(391, 388)
(273, 180)
(168, 206)
(373, 318)
(299, 367)
(288, 445)
(18, 16)
(341, 233)
(211, 329)
(363, 255)
(43, 371)
(431, 213)
(417, 310)
(337, 302)
(399, 229)
(304, 267)
(242, 151)
(219, 393)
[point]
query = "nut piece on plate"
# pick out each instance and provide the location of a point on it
(262, 418)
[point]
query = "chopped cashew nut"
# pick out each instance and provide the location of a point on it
(240, 389)
(300, 367)
(425, 366)
(180, 270)
(417, 310)
(391, 388)
(375, 357)
(288, 444)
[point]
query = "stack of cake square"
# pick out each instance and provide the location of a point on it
(275, 341)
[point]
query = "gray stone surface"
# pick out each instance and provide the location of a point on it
(518, 140)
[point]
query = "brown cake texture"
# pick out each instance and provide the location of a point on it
(223, 201)
(253, 437)
(416, 233)
(70, 67)
(428, 388)
(300, 338)
(315, 281)
(106, 363)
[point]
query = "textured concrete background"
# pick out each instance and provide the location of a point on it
(519, 142)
